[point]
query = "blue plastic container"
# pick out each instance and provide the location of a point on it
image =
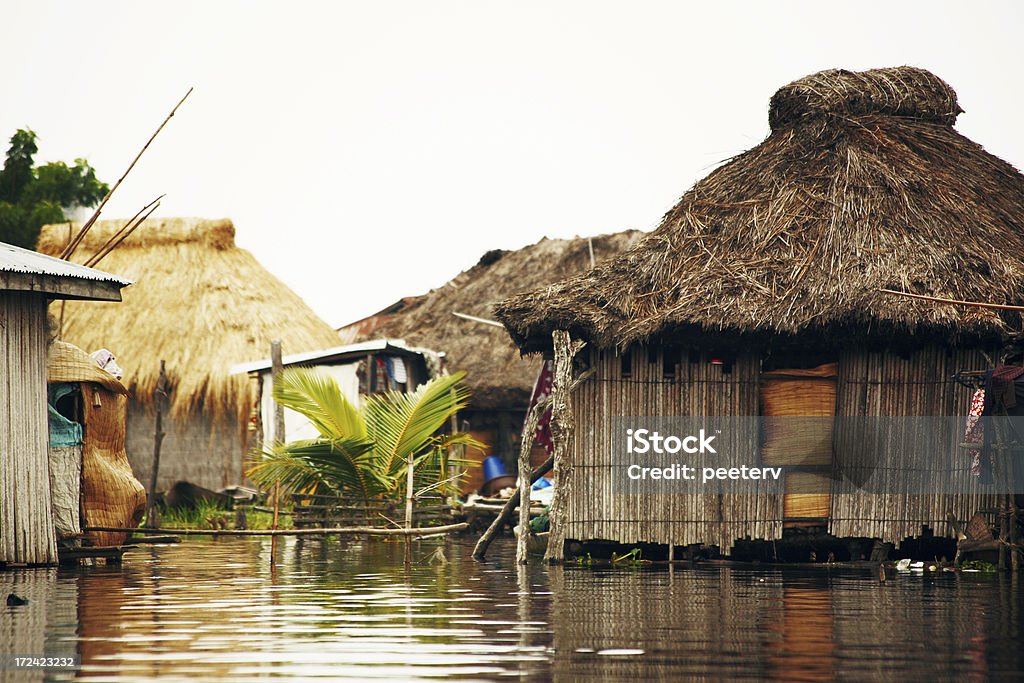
(541, 483)
(493, 468)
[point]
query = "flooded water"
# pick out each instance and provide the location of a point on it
(209, 609)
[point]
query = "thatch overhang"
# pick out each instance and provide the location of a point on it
(198, 302)
(862, 185)
(496, 374)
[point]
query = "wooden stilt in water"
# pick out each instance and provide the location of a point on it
(409, 487)
(525, 446)
(562, 425)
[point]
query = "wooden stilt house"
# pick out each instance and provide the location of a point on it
(759, 295)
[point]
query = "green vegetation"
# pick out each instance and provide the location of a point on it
(363, 451)
(32, 196)
(208, 515)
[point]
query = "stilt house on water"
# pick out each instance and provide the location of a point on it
(499, 379)
(758, 295)
(28, 281)
(201, 304)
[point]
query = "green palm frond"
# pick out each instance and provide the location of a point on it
(317, 397)
(406, 423)
(337, 465)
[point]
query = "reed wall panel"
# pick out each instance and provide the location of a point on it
(597, 511)
(879, 384)
(26, 519)
(869, 384)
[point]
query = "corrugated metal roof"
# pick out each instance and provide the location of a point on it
(334, 354)
(17, 260)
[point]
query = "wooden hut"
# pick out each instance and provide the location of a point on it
(27, 282)
(201, 304)
(498, 377)
(759, 295)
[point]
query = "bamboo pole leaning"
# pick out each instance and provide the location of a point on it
(480, 551)
(338, 531)
(73, 245)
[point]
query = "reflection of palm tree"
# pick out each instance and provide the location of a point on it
(363, 451)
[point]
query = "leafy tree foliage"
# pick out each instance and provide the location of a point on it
(32, 196)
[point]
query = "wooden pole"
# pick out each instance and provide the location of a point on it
(158, 438)
(562, 425)
(525, 446)
(480, 551)
(276, 370)
(341, 531)
(952, 302)
(409, 489)
(506, 512)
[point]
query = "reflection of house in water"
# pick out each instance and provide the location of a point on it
(499, 379)
(201, 304)
(759, 296)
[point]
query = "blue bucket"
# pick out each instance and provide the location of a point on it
(493, 468)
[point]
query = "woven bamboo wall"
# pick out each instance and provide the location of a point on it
(597, 511)
(869, 384)
(919, 385)
(26, 520)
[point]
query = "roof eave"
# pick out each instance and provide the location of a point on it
(62, 287)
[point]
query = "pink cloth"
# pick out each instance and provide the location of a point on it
(974, 433)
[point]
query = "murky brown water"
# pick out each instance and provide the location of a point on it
(210, 609)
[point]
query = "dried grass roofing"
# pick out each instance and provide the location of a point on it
(496, 374)
(198, 302)
(862, 184)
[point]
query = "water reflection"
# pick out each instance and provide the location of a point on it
(338, 610)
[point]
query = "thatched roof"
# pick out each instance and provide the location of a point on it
(198, 302)
(862, 184)
(496, 374)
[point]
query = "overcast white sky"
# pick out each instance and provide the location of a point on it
(372, 150)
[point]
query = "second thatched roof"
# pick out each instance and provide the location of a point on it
(198, 302)
(862, 185)
(496, 374)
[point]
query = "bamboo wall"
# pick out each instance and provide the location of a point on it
(918, 385)
(26, 520)
(868, 384)
(595, 510)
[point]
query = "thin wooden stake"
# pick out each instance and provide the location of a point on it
(409, 491)
(158, 438)
(277, 369)
(953, 302)
(480, 551)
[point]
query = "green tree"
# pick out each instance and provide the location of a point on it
(31, 196)
(363, 451)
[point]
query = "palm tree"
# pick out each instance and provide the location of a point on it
(363, 451)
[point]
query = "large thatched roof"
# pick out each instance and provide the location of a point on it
(862, 184)
(496, 374)
(198, 302)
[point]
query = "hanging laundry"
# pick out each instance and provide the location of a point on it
(1001, 389)
(396, 369)
(541, 390)
(974, 432)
